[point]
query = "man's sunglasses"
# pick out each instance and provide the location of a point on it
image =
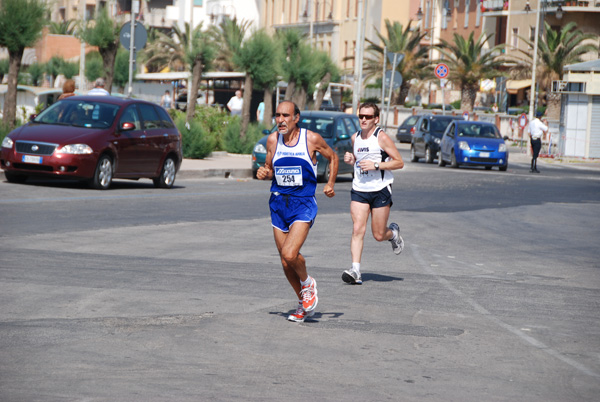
(366, 116)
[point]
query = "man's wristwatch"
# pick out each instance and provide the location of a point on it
(376, 166)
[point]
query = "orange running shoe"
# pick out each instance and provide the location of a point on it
(309, 296)
(300, 314)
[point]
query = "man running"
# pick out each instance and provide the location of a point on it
(291, 164)
(375, 156)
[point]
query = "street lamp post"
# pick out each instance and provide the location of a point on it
(532, 93)
(358, 54)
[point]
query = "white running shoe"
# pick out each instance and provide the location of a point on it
(352, 277)
(398, 244)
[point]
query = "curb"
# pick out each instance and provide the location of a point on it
(222, 173)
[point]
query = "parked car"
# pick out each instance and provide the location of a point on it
(96, 139)
(427, 134)
(474, 143)
(336, 128)
(181, 102)
(404, 133)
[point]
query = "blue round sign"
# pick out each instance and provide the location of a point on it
(441, 70)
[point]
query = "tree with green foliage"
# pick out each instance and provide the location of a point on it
(229, 34)
(257, 57)
(36, 72)
(103, 32)
(199, 58)
(54, 67)
(21, 23)
(70, 69)
(290, 41)
(469, 63)
(405, 41)
(121, 77)
(556, 49)
(328, 71)
(93, 66)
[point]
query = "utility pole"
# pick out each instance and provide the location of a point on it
(358, 54)
(82, 85)
(134, 6)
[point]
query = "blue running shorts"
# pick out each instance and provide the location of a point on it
(287, 209)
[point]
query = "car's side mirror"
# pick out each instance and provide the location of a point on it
(265, 132)
(32, 116)
(505, 138)
(127, 126)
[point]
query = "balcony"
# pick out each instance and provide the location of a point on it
(498, 8)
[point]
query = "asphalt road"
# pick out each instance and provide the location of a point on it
(141, 294)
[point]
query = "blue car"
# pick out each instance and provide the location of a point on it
(336, 128)
(473, 143)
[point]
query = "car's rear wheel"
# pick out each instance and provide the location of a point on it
(428, 155)
(167, 174)
(488, 168)
(103, 174)
(15, 177)
(453, 161)
(441, 162)
(413, 155)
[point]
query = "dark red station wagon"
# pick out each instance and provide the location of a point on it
(95, 138)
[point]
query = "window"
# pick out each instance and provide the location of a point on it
(150, 117)
(467, 6)
(532, 33)
(165, 119)
(130, 115)
(478, 19)
(515, 37)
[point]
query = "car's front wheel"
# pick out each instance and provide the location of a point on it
(167, 174)
(503, 168)
(453, 161)
(15, 177)
(428, 155)
(413, 155)
(103, 174)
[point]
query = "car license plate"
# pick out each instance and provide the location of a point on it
(32, 159)
(484, 154)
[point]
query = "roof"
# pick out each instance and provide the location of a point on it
(184, 75)
(593, 65)
(34, 90)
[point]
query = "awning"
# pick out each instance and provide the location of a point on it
(513, 86)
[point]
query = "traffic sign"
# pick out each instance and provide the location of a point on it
(466, 115)
(441, 70)
(523, 120)
(398, 56)
(139, 33)
(396, 78)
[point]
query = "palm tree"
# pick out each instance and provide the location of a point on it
(199, 58)
(469, 63)
(21, 23)
(401, 40)
(64, 27)
(229, 34)
(258, 57)
(168, 50)
(556, 49)
(325, 71)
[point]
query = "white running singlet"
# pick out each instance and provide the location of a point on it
(369, 149)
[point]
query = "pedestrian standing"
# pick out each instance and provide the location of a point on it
(537, 129)
(375, 156)
(99, 88)
(236, 104)
(166, 100)
(260, 112)
(291, 165)
(68, 89)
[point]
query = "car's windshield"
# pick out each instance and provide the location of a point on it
(439, 125)
(478, 130)
(79, 113)
(321, 125)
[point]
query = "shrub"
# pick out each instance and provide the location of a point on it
(197, 142)
(237, 145)
(456, 104)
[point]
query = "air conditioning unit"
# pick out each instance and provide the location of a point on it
(568, 87)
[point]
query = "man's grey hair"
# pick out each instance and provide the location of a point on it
(99, 83)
